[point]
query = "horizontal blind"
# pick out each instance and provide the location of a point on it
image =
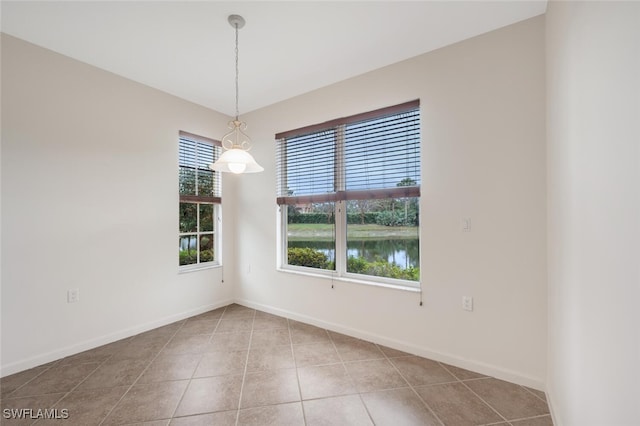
(197, 182)
(306, 165)
(382, 153)
(371, 155)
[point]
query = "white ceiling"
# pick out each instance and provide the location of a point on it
(286, 48)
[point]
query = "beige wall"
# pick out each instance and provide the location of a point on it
(89, 201)
(483, 156)
(593, 102)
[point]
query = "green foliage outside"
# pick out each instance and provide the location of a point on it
(305, 256)
(189, 257)
(381, 268)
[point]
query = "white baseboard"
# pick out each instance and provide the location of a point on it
(456, 361)
(554, 414)
(56, 354)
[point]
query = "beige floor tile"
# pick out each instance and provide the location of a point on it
(198, 326)
(221, 364)
(221, 418)
(88, 407)
(165, 330)
(171, 367)
(392, 353)
(34, 403)
(210, 394)
(238, 363)
(537, 421)
(147, 402)
(421, 371)
(262, 322)
(99, 354)
(510, 400)
(236, 325)
(270, 387)
(398, 407)
(157, 336)
(339, 337)
(145, 349)
(191, 344)
(274, 415)
(261, 314)
(358, 350)
(537, 393)
(229, 342)
(270, 337)
(324, 381)
(456, 405)
(375, 375)
(270, 358)
(8, 384)
(164, 422)
(337, 411)
(237, 312)
(303, 333)
(214, 314)
(56, 379)
(315, 354)
(461, 373)
(116, 372)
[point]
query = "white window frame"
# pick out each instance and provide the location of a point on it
(340, 273)
(217, 259)
(217, 218)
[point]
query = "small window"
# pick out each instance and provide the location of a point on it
(349, 193)
(199, 207)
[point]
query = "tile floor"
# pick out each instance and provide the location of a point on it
(238, 366)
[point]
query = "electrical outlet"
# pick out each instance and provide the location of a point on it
(73, 295)
(467, 303)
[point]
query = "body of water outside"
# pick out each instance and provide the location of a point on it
(397, 245)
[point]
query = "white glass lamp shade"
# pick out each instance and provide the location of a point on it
(236, 160)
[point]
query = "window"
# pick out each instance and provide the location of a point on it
(348, 193)
(200, 199)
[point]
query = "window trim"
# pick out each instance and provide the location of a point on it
(339, 197)
(215, 200)
(217, 239)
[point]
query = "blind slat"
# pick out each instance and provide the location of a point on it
(196, 181)
(366, 158)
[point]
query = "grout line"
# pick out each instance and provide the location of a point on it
(246, 365)
(76, 386)
(355, 386)
(530, 418)
(295, 364)
(413, 388)
(144, 370)
(53, 364)
(197, 365)
(536, 395)
(334, 343)
(482, 399)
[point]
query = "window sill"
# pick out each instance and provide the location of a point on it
(193, 268)
(409, 288)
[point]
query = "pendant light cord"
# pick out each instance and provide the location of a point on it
(237, 72)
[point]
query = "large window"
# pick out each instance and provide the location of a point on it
(348, 193)
(200, 199)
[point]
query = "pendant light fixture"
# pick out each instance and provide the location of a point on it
(236, 144)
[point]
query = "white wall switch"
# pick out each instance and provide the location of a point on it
(466, 224)
(73, 295)
(467, 303)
